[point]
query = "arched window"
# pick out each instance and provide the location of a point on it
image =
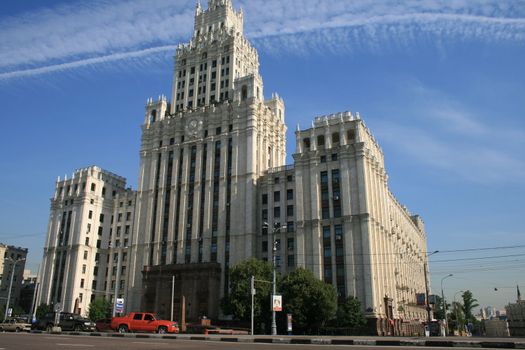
(244, 92)
(153, 116)
(335, 137)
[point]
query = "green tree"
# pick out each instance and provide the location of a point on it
(311, 301)
(238, 302)
(349, 313)
(438, 308)
(98, 309)
(469, 303)
(43, 309)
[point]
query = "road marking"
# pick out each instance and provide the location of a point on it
(77, 345)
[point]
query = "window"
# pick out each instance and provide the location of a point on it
(264, 215)
(306, 142)
(127, 229)
(277, 212)
(90, 214)
(84, 268)
(291, 260)
(119, 218)
(100, 231)
(289, 194)
(264, 198)
(334, 157)
(277, 196)
(93, 187)
(323, 159)
(351, 135)
(326, 232)
(289, 210)
(320, 140)
(335, 137)
(265, 246)
(327, 251)
(218, 131)
(101, 218)
(290, 226)
(81, 283)
(276, 180)
(289, 178)
(137, 317)
(87, 241)
(290, 244)
(128, 216)
(85, 254)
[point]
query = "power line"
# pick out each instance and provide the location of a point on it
(478, 258)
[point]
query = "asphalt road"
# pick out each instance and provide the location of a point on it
(23, 341)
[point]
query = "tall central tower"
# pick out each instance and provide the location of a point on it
(200, 158)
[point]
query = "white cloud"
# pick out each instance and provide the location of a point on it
(75, 35)
(446, 136)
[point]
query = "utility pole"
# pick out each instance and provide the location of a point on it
(425, 267)
(444, 303)
(274, 325)
(252, 292)
(172, 295)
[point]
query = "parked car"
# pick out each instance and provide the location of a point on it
(15, 325)
(143, 322)
(68, 322)
(103, 325)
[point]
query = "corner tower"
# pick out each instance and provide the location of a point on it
(201, 157)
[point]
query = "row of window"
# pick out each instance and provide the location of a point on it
(335, 139)
(277, 196)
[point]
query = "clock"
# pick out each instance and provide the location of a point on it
(193, 127)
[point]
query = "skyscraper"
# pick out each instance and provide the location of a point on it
(214, 190)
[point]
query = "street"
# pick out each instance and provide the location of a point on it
(23, 341)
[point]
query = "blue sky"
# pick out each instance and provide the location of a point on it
(441, 84)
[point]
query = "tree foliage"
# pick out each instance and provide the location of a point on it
(238, 302)
(349, 314)
(43, 309)
(99, 308)
(469, 303)
(311, 301)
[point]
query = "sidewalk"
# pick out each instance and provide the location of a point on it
(494, 343)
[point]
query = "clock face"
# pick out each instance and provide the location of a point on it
(193, 126)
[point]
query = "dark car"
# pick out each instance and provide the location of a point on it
(103, 325)
(68, 322)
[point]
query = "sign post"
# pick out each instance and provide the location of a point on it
(119, 305)
(289, 323)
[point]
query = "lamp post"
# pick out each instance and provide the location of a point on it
(444, 303)
(456, 307)
(425, 267)
(276, 228)
(14, 262)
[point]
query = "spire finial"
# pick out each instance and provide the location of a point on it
(198, 8)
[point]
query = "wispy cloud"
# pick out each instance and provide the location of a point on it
(71, 36)
(445, 136)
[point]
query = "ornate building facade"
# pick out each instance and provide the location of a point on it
(213, 179)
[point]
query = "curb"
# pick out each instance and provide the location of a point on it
(313, 341)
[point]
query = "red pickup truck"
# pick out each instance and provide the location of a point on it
(143, 322)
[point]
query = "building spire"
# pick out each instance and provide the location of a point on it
(519, 294)
(198, 7)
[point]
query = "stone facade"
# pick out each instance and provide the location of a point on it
(8, 255)
(214, 190)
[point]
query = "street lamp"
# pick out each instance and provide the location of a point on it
(276, 228)
(456, 307)
(14, 262)
(444, 302)
(425, 267)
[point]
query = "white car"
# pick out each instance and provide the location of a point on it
(15, 325)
